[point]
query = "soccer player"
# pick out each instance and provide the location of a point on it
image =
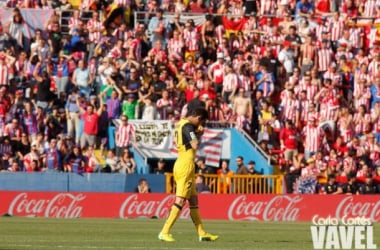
(187, 136)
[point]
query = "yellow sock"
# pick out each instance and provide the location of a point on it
(174, 213)
(194, 213)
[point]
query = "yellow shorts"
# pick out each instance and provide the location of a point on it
(184, 177)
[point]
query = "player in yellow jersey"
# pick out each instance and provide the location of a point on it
(187, 136)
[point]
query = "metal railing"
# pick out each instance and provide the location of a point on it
(236, 184)
(256, 146)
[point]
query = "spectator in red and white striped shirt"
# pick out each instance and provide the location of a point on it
(125, 134)
(95, 30)
(313, 137)
(230, 84)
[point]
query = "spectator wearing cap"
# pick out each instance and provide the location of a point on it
(31, 161)
(130, 106)
(159, 27)
(251, 166)
(286, 57)
(216, 72)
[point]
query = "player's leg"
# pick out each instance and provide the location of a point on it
(195, 216)
(183, 185)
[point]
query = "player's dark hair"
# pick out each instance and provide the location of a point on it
(202, 112)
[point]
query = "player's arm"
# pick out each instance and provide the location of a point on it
(190, 138)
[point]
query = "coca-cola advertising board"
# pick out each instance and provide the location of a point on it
(221, 207)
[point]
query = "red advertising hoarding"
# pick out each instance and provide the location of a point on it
(221, 207)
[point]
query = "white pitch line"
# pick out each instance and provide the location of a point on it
(99, 247)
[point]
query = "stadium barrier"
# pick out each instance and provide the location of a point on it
(72, 182)
(236, 184)
(246, 207)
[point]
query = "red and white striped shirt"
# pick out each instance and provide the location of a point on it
(362, 97)
(217, 70)
(230, 82)
(289, 109)
(95, 36)
(356, 35)
(311, 90)
(329, 108)
(370, 8)
(303, 108)
(362, 123)
(362, 59)
(192, 40)
(136, 47)
(375, 122)
(73, 23)
(123, 3)
(122, 34)
(267, 7)
(324, 59)
(336, 30)
(124, 133)
(374, 68)
(175, 46)
(313, 137)
(4, 74)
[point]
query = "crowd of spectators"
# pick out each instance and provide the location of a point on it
(301, 77)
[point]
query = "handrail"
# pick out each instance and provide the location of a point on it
(236, 184)
(142, 154)
(254, 143)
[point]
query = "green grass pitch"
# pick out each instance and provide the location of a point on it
(109, 234)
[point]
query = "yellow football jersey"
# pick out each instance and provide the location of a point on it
(185, 134)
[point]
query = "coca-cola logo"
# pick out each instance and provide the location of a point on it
(62, 205)
(279, 208)
(136, 206)
(348, 208)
